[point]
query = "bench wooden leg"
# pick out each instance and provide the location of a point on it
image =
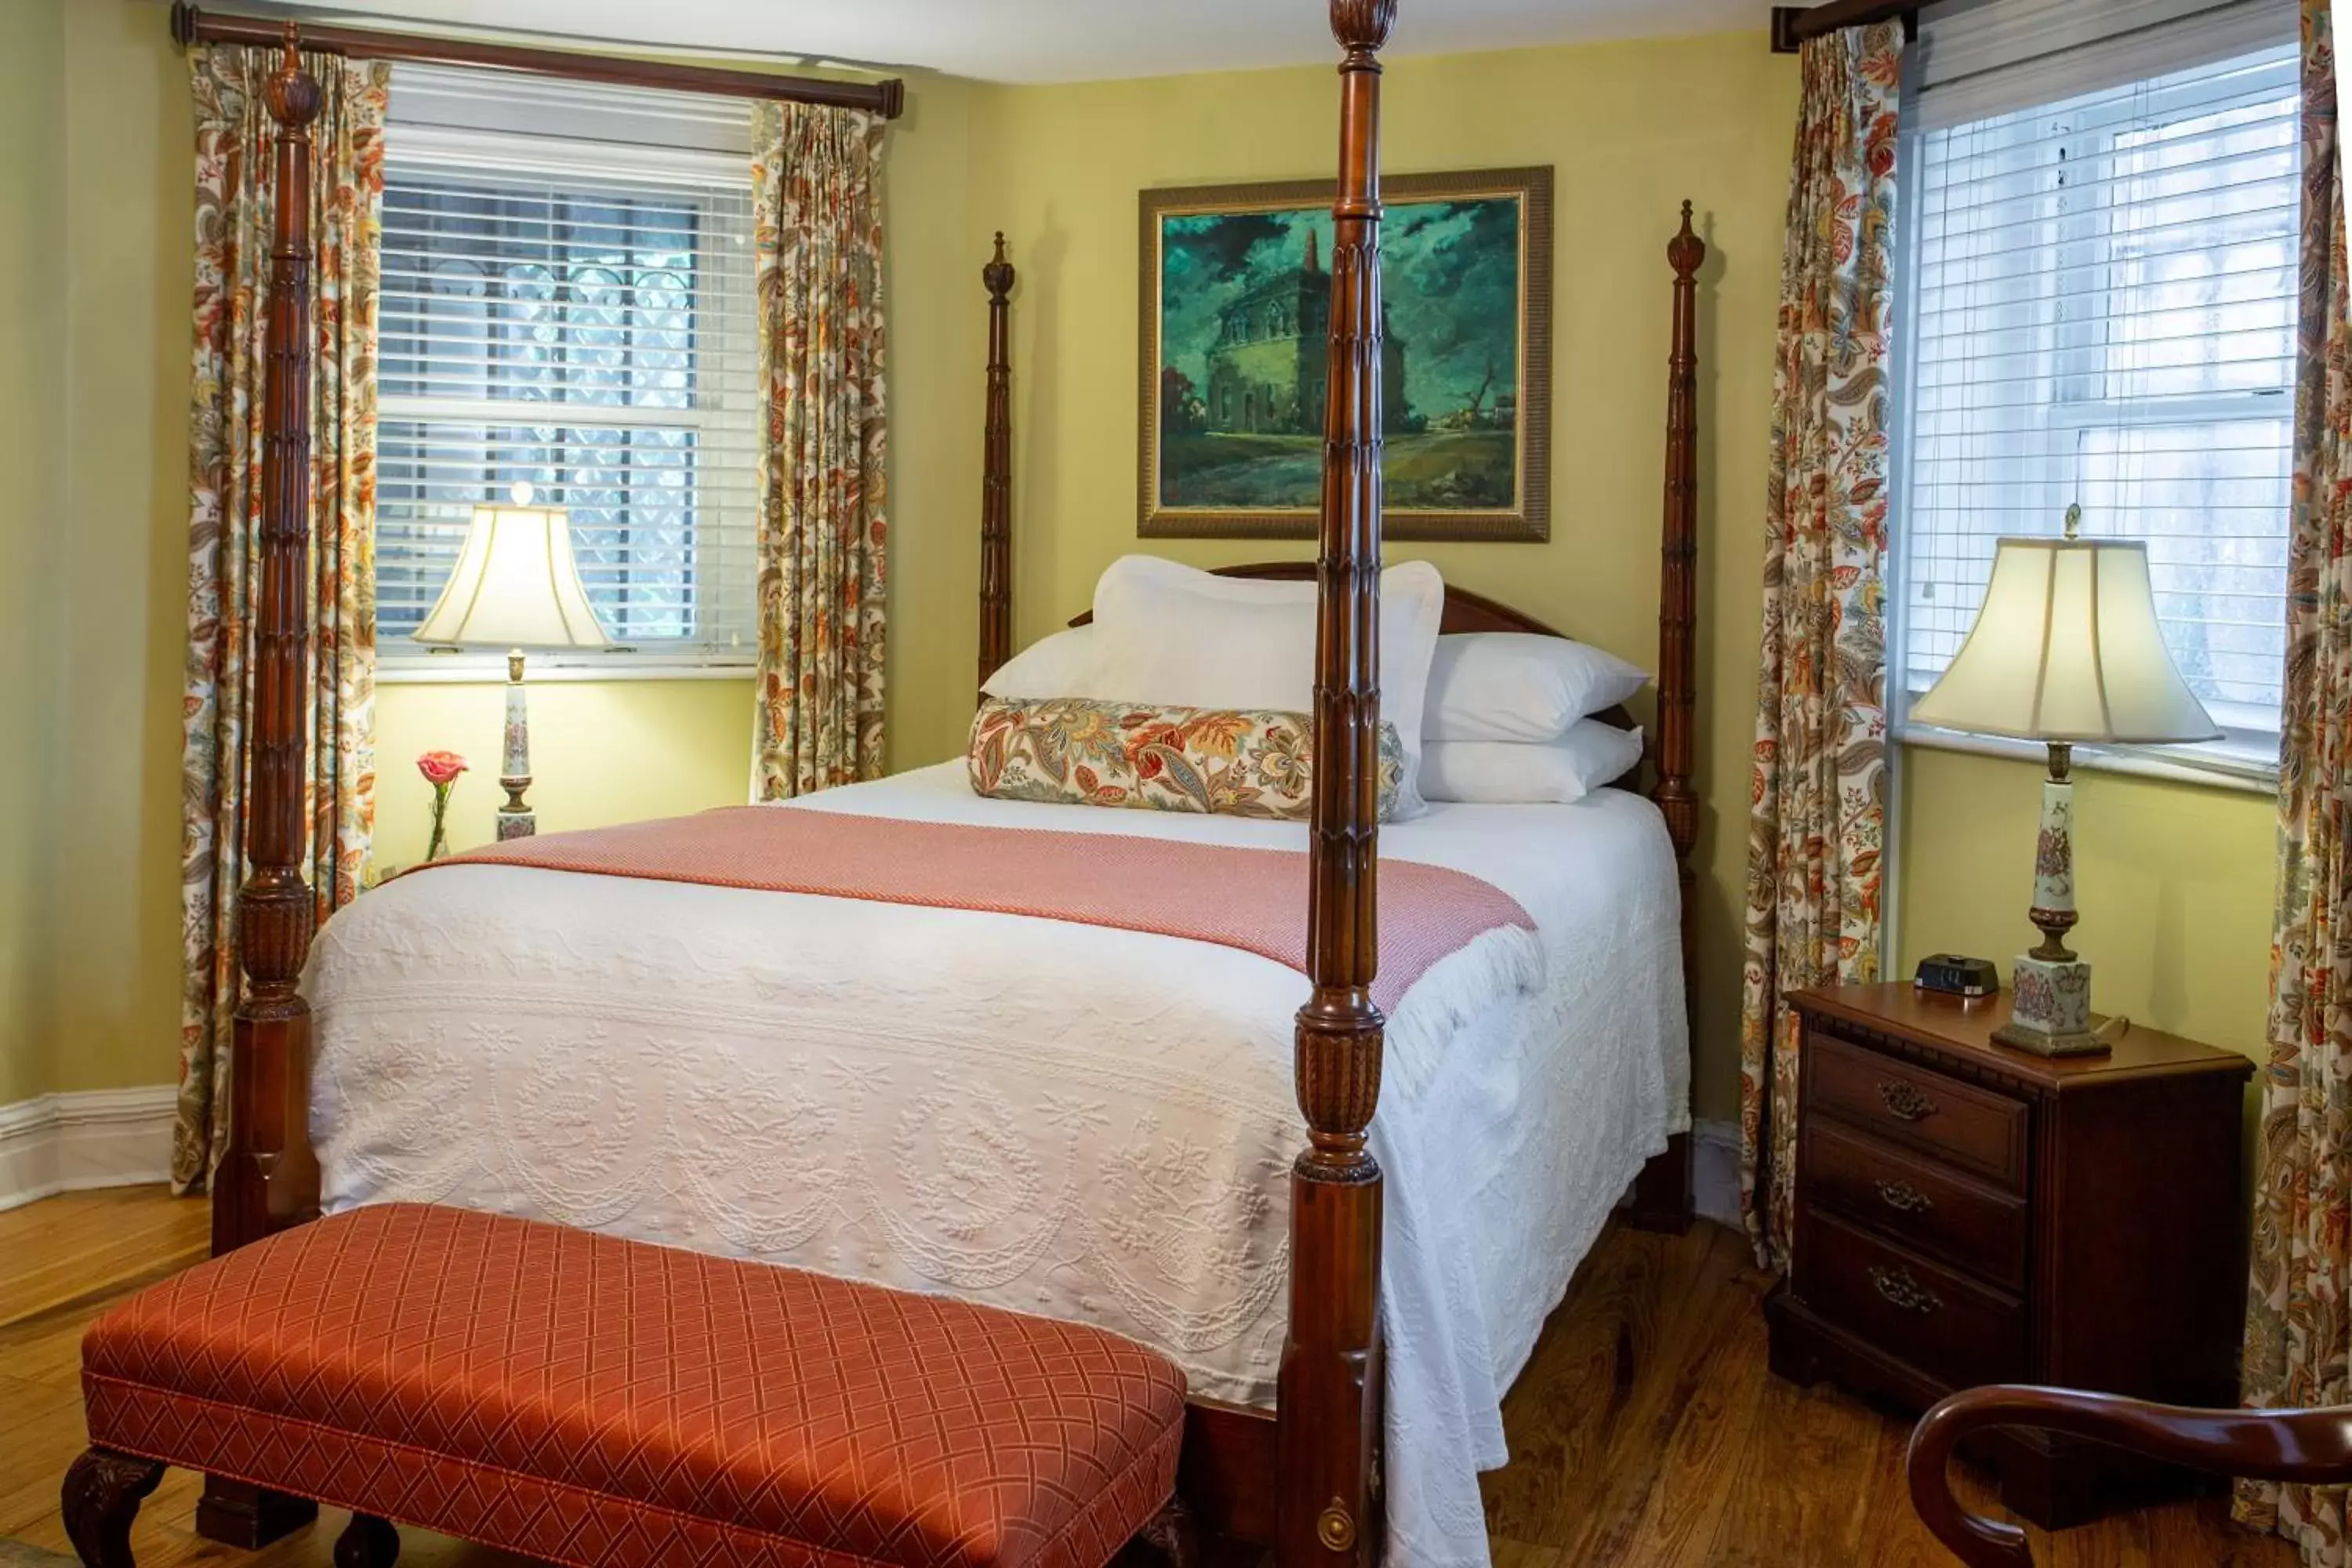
(1172, 1534)
(367, 1542)
(100, 1498)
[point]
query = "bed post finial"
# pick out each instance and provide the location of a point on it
(997, 276)
(294, 102)
(1362, 27)
(996, 472)
(1328, 1427)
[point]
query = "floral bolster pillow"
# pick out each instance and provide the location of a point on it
(1076, 750)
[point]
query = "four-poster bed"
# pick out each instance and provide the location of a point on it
(1304, 1477)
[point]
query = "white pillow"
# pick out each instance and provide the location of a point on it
(1507, 772)
(1176, 635)
(1519, 686)
(1065, 664)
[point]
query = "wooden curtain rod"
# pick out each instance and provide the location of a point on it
(191, 26)
(1793, 25)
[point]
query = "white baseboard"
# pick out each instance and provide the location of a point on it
(1715, 1172)
(95, 1138)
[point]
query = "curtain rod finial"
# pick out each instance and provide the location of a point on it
(183, 23)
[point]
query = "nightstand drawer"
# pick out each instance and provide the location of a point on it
(1940, 1321)
(1971, 1127)
(1919, 1203)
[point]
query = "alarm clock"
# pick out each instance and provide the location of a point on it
(1953, 974)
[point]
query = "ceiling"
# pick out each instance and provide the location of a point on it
(1059, 40)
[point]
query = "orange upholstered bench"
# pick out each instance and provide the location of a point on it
(596, 1402)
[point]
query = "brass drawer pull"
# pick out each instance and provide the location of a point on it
(1905, 1100)
(1903, 1198)
(1897, 1286)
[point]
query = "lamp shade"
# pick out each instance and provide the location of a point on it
(515, 585)
(2066, 648)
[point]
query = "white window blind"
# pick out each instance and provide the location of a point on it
(2102, 308)
(573, 310)
(1977, 58)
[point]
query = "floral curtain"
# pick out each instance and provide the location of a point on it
(817, 194)
(234, 133)
(2298, 1332)
(1818, 792)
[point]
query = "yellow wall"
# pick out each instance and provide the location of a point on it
(2176, 878)
(1630, 129)
(119, 574)
(2174, 881)
(32, 351)
(102, 396)
(601, 751)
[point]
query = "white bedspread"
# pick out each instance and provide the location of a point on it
(1059, 1119)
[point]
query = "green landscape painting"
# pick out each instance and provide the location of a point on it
(1243, 307)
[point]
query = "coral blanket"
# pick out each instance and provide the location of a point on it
(1255, 900)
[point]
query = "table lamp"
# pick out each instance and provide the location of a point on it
(2066, 649)
(515, 586)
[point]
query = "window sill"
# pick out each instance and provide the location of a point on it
(2245, 778)
(491, 670)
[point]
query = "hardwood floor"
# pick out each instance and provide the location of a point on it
(1645, 1431)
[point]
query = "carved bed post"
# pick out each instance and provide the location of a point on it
(996, 474)
(269, 1180)
(1678, 551)
(1330, 1391)
(1661, 1195)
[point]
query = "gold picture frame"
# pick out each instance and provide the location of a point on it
(1229, 430)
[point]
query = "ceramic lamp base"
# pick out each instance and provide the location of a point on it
(516, 820)
(2050, 1008)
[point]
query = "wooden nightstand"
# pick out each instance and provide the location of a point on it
(1968, 1213)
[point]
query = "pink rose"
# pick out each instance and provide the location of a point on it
(440, 767)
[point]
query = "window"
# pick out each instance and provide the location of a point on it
(577, 315)
(2102, 308)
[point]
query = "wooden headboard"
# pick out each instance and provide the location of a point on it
(1465, 611)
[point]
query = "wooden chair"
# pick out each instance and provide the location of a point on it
(2311, 1447)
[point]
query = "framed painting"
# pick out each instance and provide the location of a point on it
(1236, 300)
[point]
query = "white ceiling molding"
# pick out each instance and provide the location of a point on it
(1056, 40)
